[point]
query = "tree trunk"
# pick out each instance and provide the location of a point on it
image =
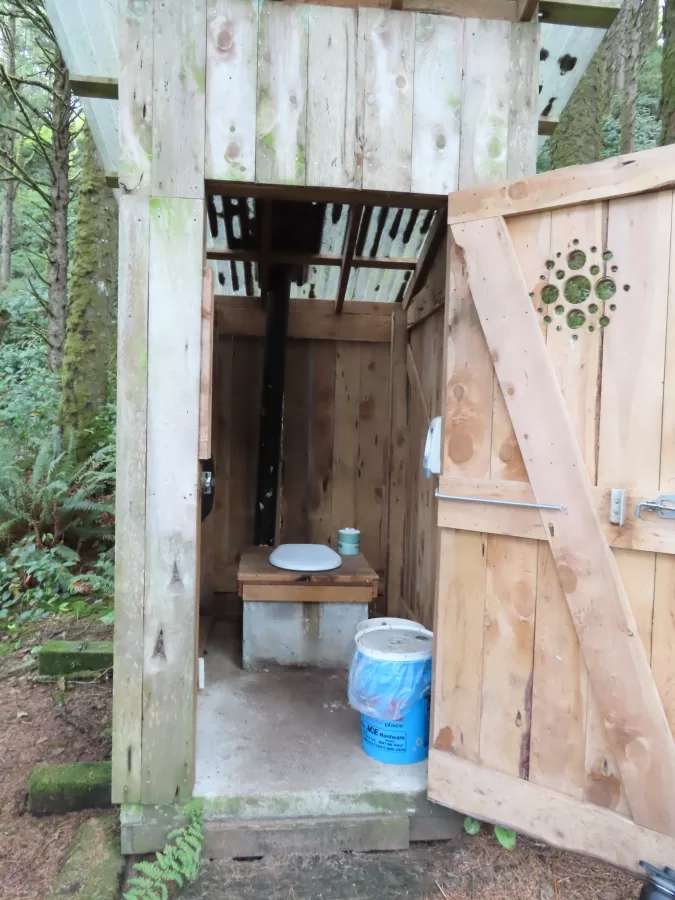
(630, 52)
(58, 214)
(668, 69)
(637, 35)
(578, 137)
(89, 352)
(9, 59)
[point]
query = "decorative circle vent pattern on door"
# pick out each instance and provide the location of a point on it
(581, 295)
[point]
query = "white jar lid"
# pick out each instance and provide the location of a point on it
(400, 644)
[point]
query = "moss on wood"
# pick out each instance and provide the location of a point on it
(94, 866)
(59, 789)
(89, 351)
(69, 657)
(668, 74)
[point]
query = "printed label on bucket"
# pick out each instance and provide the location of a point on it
(389, 736)
(398, 741)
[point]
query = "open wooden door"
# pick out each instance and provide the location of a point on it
(554, 681)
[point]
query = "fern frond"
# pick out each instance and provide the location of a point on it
(150, 869)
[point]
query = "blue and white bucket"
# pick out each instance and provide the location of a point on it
(390, 684)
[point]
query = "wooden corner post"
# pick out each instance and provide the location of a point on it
(162, 125)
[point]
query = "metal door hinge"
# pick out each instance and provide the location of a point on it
(663, 506)
(440, 496)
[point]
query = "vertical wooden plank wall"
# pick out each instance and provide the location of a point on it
(240, 361)
(439, 61)
(232, 60)
(367, 98)
(471, 604)
(282, 94)
(162, 134)
(631, 411)
(663, 648)
(335, 467)
(331, 97)
(135, 91)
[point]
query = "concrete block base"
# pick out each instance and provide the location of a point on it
(300, 634)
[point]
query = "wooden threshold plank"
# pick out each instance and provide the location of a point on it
(619, 176)
(544, 814)
(615, 657)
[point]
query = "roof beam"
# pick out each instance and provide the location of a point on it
(589, 13)
(310, 319)
(351, 236)
(314, 259)
(95, 86)
(586, 13)
(547, 125)
(527, 10)
(426, 257)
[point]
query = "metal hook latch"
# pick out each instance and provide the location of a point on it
(663, 506)
(207, 482)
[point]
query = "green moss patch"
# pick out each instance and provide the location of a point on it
(94, 866)
(65, 788)
(67, 657)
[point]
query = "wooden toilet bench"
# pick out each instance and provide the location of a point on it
(258, 580)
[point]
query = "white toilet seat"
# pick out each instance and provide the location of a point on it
(305, 558)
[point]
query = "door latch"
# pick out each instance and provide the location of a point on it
(663, 506)
(617, 506)
(207, 481)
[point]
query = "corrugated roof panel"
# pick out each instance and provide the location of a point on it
(386, 232)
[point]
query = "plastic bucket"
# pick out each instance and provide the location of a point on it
(398, 741)
(390, 680)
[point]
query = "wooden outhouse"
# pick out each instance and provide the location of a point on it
(274, 156)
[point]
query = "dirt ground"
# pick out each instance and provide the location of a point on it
(471, 868)
(42, 723)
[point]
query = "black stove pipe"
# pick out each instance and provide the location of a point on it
(272, 404)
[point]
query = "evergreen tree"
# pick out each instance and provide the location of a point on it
(668, 74)
(89, 353)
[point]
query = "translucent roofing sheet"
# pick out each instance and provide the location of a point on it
(385, 233)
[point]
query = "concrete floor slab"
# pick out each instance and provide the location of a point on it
(285, 742)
